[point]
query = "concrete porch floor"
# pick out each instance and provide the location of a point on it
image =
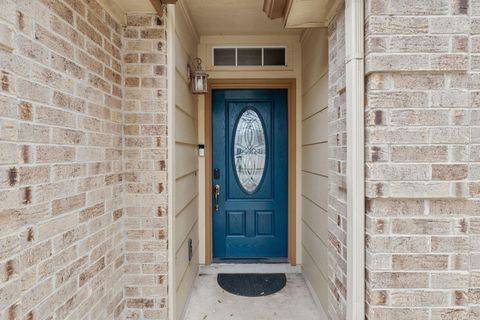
(210, 302)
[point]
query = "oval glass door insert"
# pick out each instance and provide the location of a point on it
(249, 150)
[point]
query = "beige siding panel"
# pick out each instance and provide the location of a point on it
(186, 163)
(185, 35)
(185, 159)
(316, 218)
(186, 188)
(185, 128)
(316, 248)
(182, 58)
(183, 98)
(315, 188)
(315, 128)
(316, 279)
(316, 99)
(181, 257)
(312, 74)
(314, 57)
(314, 159)
(186, 285)
(314, 42)
(184, 222)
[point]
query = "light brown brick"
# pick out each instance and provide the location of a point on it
(91, 271)
(53, 116)
(49, 154)
(67, 102)
(399, 280)
(420, 262)
(419, 153)
(152, 33)
(397, 25)
(421, 226)
(65, 205)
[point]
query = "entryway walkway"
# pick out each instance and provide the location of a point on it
(210, 302)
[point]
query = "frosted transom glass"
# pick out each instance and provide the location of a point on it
(249, 150)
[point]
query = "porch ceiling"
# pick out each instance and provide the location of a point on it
(222, 17)
(234, 17)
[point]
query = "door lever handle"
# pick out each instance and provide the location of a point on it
(216, 193)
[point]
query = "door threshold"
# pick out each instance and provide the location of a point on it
(251, 260)
(217, 268)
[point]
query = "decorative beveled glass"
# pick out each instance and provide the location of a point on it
(249, 150)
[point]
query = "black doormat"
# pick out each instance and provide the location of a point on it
(252, 284)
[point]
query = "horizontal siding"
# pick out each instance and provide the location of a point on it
(316, 218)
(181, 59)
(186, 160)
(315, 188)
(186, 188)
(186, 278)
(185, 128)
(315, 162)
(316, 278)
(315, 99)
(183, 98)
(316, 248)
(314, 159)
(186, 167)
(314, 58)
(315, 128)
(184, 221)
(181, 256)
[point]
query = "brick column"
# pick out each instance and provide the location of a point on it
(337, 157)
(61, 232)
(145, 165)
(422, 152)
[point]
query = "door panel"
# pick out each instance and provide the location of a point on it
(250, 165)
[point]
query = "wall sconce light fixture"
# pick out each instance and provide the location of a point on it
(198, 77)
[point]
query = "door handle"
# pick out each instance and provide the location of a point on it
(216, 193)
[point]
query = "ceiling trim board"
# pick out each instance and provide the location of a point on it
(299, 15)
(188, 16)
(288, 9)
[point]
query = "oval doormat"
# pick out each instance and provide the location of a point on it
(252, 284)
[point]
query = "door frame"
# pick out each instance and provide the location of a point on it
(290, 86)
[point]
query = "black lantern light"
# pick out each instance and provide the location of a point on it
(198, 77)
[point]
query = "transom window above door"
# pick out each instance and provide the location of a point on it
(249, 56)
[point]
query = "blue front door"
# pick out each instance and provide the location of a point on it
(250, 173)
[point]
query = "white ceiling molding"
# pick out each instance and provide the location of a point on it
(309, 13)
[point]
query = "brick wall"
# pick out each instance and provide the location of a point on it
(423, 154)
(145, 153)
(61, 233)
(337, 154)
